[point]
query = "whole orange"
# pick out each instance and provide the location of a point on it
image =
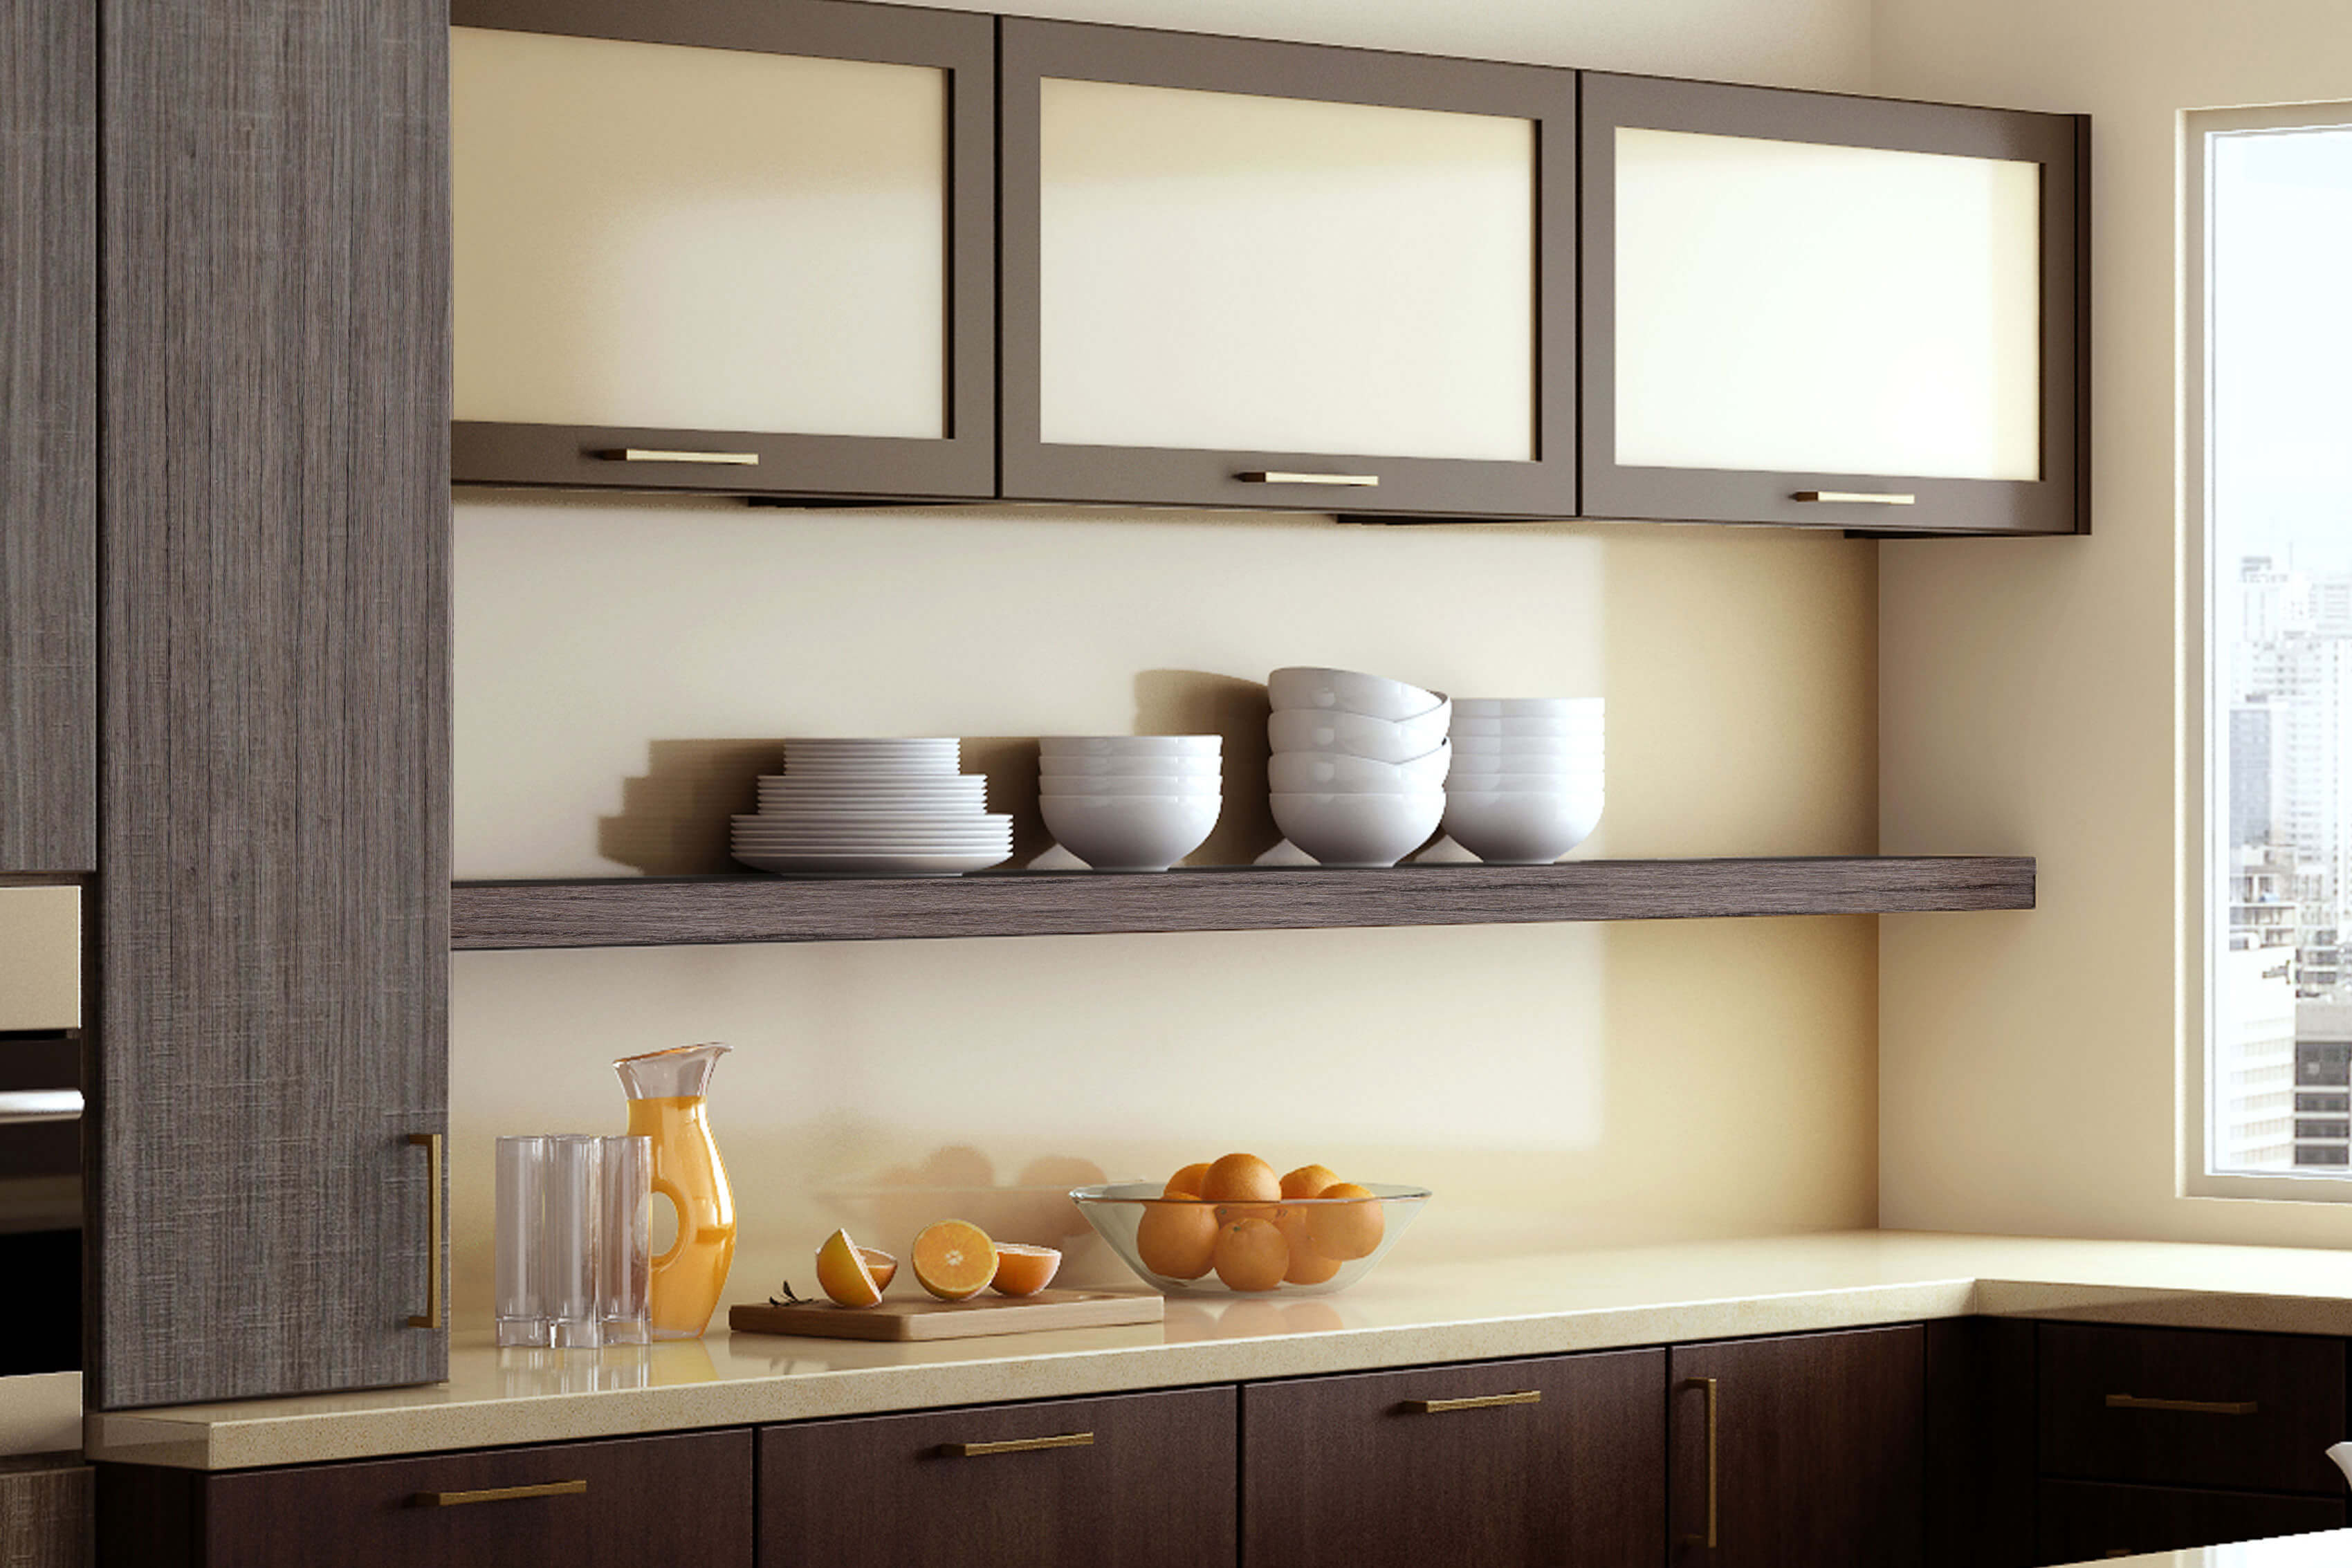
(1250, 1255)
(1307, 1266)
(1240, 1178)
(1177, 1240)
(1186, 1182)
(1350, 1229)
(1308, 1181)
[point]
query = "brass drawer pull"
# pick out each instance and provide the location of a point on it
(656, 455)
(1858, 497)
(2186, 1407)
(1474, 1402)
(496, 1494)
(1709, 1387)
(1360, 481)
(1017, 1445)
(431, 1143)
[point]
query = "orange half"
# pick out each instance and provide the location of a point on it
(1023, 1270)
(842, 1273)
(953, 1260)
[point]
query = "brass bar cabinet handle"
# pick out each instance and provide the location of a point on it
(1360, 481)
(1473, 1402)
(431, 1143)
(658, 454)
(1858, 497)
(1017, 1445)
(2186, 1407)
(496, 1494)
(1711, 1388)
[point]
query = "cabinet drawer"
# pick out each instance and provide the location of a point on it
(2080, 1520)
(1418, 1466)
(647, 1500)
(1138, 1482)
(2192, 1407)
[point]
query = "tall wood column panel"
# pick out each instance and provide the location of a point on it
(274, 603)
(49, 442)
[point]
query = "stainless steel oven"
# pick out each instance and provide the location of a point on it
(40, 1165)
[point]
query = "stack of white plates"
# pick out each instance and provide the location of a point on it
(1358, 766)
(873, 807)
(1528, 774)
(1130, 803)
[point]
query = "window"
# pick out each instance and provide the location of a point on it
(2271, 454)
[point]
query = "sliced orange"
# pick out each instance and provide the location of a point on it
(881, 1265)
(1177, 1239)
(1308, 1181)
(1250, 1255)
(1023, 1270)
(1240, 1178)
(1186, 1182)
(1349, 1229)
(844, 1274)
(953, 1260)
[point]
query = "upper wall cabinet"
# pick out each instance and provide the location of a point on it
(1250, 274)
(1804, 309)
(716, 246)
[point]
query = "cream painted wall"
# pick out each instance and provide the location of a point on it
(2028, 691)
(624, 667)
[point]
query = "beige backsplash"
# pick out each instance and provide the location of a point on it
(625, 669)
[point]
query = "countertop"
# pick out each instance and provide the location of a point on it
(1405, 1314)
(2328, 1549)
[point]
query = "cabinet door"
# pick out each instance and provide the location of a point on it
(1247, 273)
(713, 246)
(1851, 312)
(1523, 1462)
(48, 441)
(2082, 1520)
(273, 915)
(1144, 1481)
(1799, 1453)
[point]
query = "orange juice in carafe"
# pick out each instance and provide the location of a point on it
(668, 1104)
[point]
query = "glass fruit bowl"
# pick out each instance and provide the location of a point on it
(1293, 1247)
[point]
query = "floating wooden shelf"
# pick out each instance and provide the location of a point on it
(648, 911)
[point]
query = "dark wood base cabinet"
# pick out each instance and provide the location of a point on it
(1502, 1464)
(2082, 1521)
(629, 1503)
(1803, 1452)
(1141, 1481)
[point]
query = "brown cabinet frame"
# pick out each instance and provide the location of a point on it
(960, 466)
(2057, 503)
(1034, 470)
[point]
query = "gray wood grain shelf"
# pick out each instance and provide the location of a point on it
(647, 912)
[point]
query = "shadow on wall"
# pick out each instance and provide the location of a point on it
(675, 818)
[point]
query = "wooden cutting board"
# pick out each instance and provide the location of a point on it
(921, 1317)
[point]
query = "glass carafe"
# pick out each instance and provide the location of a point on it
(667, 1104)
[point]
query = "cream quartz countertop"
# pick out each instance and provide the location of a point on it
(2328, 1549)
(1402, 1315)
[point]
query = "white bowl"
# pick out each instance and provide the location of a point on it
(1132, 764)
(1527, 745)
(1130, 833)
(1590, 709)
(1337, 773)
(1522, 827)
(1524, 728)
(1130, 744)
(1357, 735)
(1349, 691)
(1519, 783)
(1358, 829)
(1097, 784)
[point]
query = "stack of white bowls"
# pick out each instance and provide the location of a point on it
(874, 808)
(1130, 803)
(1527, 783)
(1358, 766)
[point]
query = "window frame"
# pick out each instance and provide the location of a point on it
(2203, 793)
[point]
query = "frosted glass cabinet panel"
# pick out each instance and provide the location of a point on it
(717, 246)
(1269, 275)
(1844, 311)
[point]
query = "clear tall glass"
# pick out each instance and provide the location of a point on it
(574, 1192)
(521, 1203)
(625, 1259)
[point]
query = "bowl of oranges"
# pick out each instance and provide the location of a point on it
(1232, 1225)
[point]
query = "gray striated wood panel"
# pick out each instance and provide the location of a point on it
(647, 912)
(273, 900)
(49, 435)
(45, 1513)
